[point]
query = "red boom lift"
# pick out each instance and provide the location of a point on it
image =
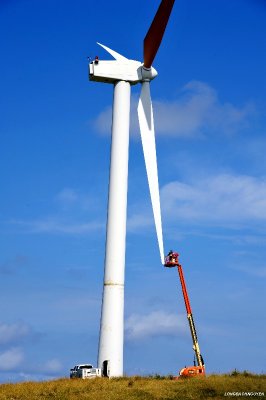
(198, 369)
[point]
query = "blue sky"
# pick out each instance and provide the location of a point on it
(209, 105)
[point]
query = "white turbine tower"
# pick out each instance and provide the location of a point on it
(123, 73)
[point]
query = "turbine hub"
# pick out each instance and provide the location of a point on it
(148, 73)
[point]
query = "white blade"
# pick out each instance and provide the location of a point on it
(146, 124)
(113, 53)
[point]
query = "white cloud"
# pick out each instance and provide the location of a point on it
(103, 121)
(11, 359)
(224, 199)
(154, 324)
(136, 221)
(10, 333)
(197, 111)
(257, 271)
(67, 196)
(63, 221)
(52, 366)
(33, 371)
(56, 226)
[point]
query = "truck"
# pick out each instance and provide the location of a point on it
(85, 371)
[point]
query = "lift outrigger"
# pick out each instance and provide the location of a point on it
(198, 369)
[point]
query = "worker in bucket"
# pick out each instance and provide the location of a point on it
(171, 260)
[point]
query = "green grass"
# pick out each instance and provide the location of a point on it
(149, 388)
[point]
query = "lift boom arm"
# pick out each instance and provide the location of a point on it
(190, 318)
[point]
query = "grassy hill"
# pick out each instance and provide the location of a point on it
(235, 385)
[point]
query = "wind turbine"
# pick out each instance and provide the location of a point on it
(122, 73)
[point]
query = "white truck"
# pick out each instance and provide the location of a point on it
(85, 371)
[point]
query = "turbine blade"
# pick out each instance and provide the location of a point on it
(154, 35)
(146, 123)
(113, 53)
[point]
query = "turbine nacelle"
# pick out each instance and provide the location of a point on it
(120, 69)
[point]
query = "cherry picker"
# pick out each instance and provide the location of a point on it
(198, 369)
